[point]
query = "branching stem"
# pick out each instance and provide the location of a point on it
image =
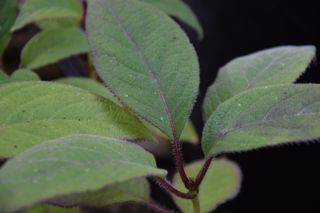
(180, 163)
(202, 173)
(166, 185)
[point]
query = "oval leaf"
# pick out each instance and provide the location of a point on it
(37, 10)
(50, 46)
(24, 75)
(145, 59)
(70, 165)
(91, 86)
(265, 116)
(32, 112)
(280, 65)
(133, 190)
(221, 183)
(7, 17)
(179, 9)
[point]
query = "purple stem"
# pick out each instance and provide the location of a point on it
(202, 173)
(166, 185)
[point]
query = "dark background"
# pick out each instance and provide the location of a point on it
(281, 179)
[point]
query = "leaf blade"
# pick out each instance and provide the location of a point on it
(264, 116)
(127, 62)
(279, 65)
(52, 45)
(7, 16)
(69, 165)
(32, 112)
(221, 183)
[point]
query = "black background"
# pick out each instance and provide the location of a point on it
(281, 179)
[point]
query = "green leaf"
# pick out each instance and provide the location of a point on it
(32, 112)
(44, 208)
(91, 86)
(69, 165)
(7, 16)
(179, 9)
(3, 77)
(221, 183)
(63, 23)
(24, 75)
(134, 190)
(280, 65)
(37, 10)
(50, 46)
(145, 59)
(189, 134)
(264, 116)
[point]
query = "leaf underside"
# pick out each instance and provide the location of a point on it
(32, 112)
(68, 165)
(265, 116)
(221, 183)
(279, 65)
(145, 59)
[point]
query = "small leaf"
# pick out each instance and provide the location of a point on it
(50, 46)
(72, 164)
(221, 183)
(7, 16)
(189, 134)
(280, 65)
(91, 86)
(264, 116)
(37, 10)
(179, 9)
(133, 190)
(24, 75)
(3, 77)
(32, 112)
(145, 59)
(44, 208)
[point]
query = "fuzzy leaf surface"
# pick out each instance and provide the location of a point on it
(45, 208)
(180, 10)
(133, 190)
(145, 59)
(279, 65)
(37, 10)
(50, 46)
(221, 183)
(7, 17)
(264, 116)
(32, 112)
(71, 164)
(24, 75)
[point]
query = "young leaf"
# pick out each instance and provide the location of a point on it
(7, 16)
(91, 86)
(264, 116)
(221, 183)
(280, 65)
(45, 208)
(50, 46)
(146, 60)
(179, 9)
(32, 112)
(71, 164)
(189, 134)
(37, 10)
(133, 190)
(24, 75)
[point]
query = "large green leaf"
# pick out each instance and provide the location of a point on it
(44, 208)
(69, 165)
(50, 46)
(221, 183)
(133, 190)
(280, 65)
(264, 116)
(7, 16)
(31, 112)
(179, 9)
(37, 10)
(24, 75)
(91, 86)
(145, 59)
